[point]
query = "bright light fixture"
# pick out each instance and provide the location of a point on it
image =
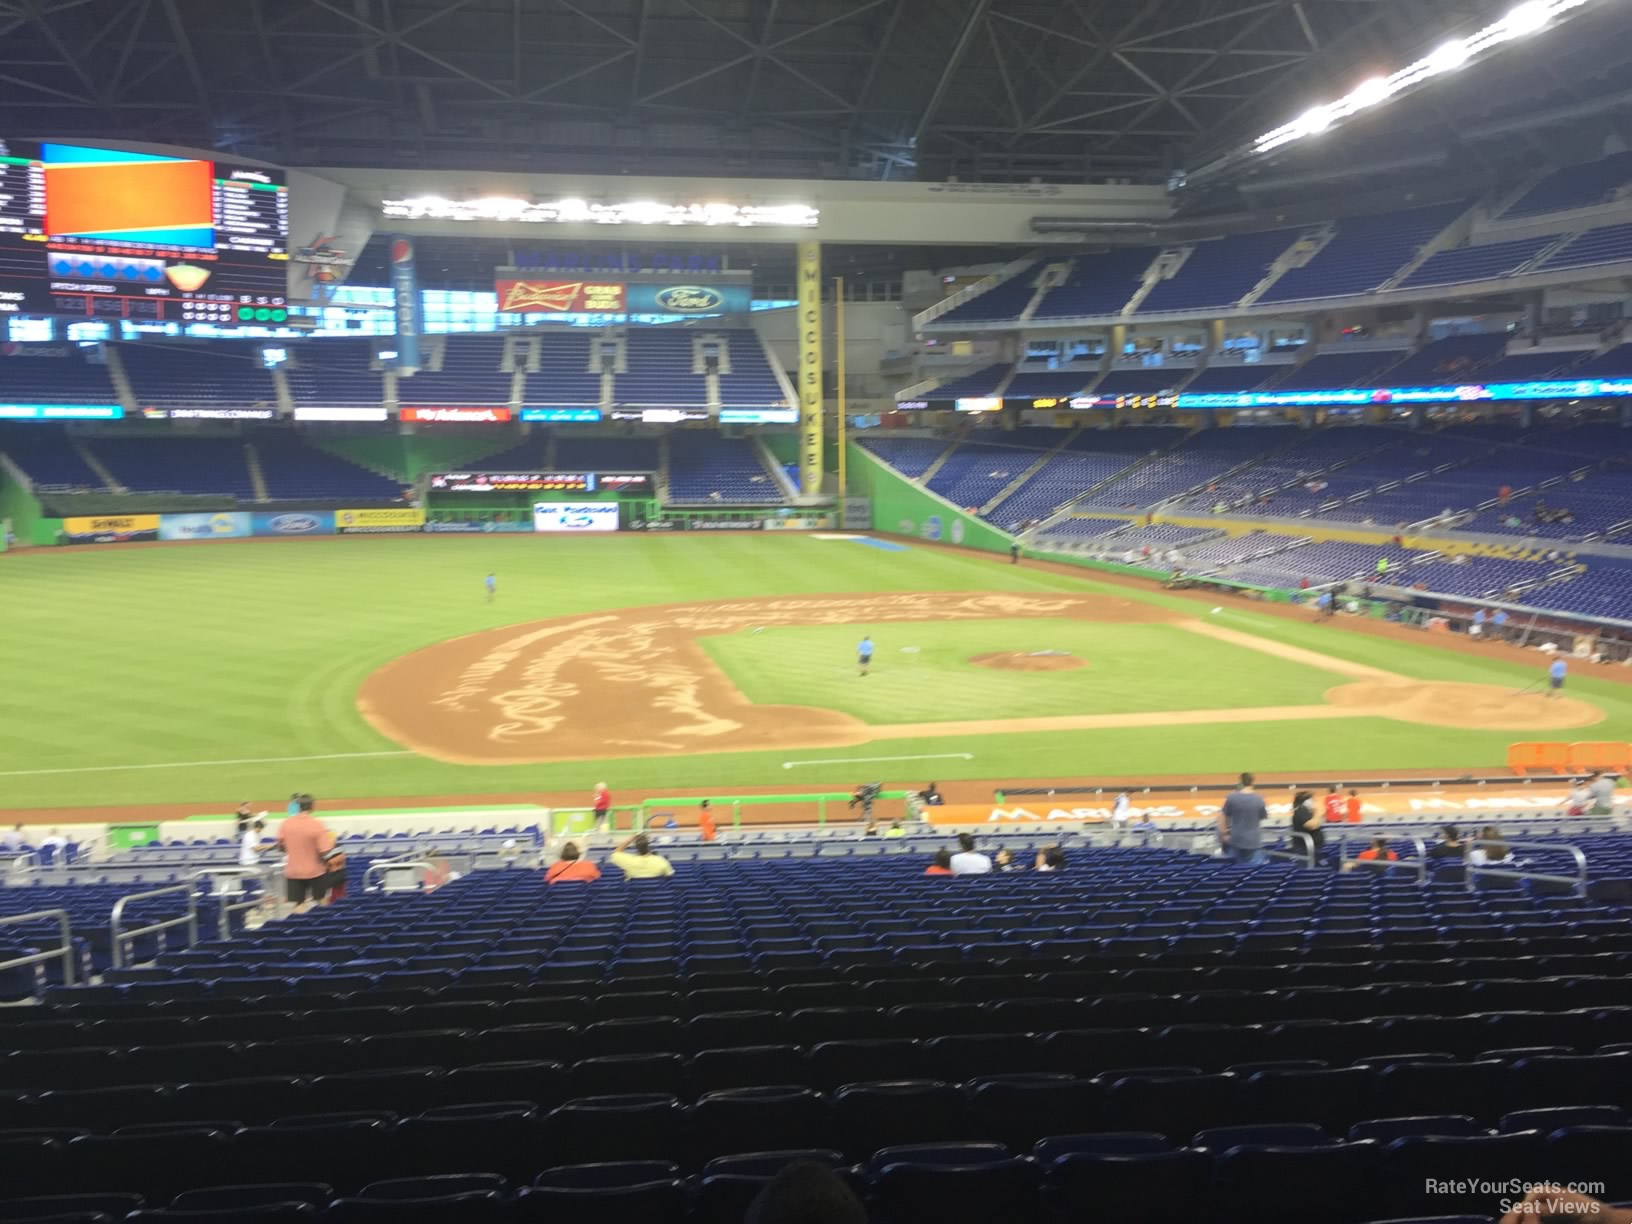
(1530, 17)
(635, 212)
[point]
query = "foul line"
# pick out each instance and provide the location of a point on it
(936, 756)
(327, 756)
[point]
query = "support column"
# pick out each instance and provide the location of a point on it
(810, 368)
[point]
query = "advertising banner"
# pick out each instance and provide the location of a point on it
(341, 414)
(407, 304)
(438, 415)
(225, 525)
(468, 527)
(209, 414)
(110, 528)
(379, 522)
(61, 412)
(810, 367)
(759, 416)
(292, 523)
(568, 415)
(560, 297)
(575, 516)
(659, 416)
(689, 299)
(800, 522)
(856, 513)
(704, 524)
(513, 482)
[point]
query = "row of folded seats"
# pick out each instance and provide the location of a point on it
(411, 1170)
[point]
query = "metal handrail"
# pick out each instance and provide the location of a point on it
(66, 952)
(224, 910)
(121, 938)
(1577, 882)
(393, 864)
(1417, 866)
(1306, 856)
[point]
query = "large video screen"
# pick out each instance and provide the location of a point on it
(101, 234)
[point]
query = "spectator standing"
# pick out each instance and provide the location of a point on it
(705, 822)
(303, 840)
(1354, 807)
(941, 864)
(1241, 823)
(1120, 810)
(1498, 625)
(1477, 629)
(602, 805)
(968, 860)
(1307, 821)
(642, 864)
(571, 867)
(1579, 801)
(1603, 793)
(243, 816)
(1334, 807)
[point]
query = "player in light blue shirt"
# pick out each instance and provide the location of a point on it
(864, 654)
(492, 584)
(1555, 676)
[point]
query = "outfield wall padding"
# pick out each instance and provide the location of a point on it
(906, 508)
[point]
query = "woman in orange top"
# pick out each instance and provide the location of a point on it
(705, 821)
(1354, 806)
(572, 866)
(941, 864)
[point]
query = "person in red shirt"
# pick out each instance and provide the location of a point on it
(572, 866)
(705, 821)
(1336, 809)
(1354, 806)
(602, 804)
(941, 864)
(304, 840)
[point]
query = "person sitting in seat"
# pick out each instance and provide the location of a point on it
(895, 830)
(968, 860)
(1003, 860)
(931, 796)
(642, 864)
(1490, 851)
(571, 866)
(1050, 858)
(1377, 852)
(1449, 845)
(941, 864)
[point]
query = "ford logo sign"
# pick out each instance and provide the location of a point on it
(294, 524)
(690, 298)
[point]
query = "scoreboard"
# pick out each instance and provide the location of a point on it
(539, 482)
(110, 235)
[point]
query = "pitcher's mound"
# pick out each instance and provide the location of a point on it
(1486, 707)
(1020, 660)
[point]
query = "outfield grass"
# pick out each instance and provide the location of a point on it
(243, 650)
(918, 667)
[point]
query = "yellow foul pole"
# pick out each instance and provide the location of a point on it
(838, 359)
(810, 368)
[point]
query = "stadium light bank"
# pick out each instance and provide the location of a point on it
(1529, 17)
(586, 212)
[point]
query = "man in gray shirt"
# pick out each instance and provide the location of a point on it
(1240, 824)
(1603, 794)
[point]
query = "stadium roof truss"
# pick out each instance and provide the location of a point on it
(980, 89)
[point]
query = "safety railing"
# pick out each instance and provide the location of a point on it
(120, 939)
(65, 953)
(1305, 855)
(221, 879)
(1417, 866)
(1576, 882)
(390, 865)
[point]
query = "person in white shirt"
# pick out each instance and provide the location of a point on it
(249, 845)
(11, 841)
(1119, 810)
(969, 861)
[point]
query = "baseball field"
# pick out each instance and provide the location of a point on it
(376, 668)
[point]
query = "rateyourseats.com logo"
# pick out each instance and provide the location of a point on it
(1512, 1193)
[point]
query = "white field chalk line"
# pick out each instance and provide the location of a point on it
(935, 756)
(327, 756)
